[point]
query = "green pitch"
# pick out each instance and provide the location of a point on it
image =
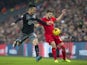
(6, 60)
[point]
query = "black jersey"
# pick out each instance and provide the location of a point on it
(28, 23)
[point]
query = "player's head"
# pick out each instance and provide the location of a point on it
(49, 13)
(32, 9)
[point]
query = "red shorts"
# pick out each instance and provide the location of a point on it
(49, 38)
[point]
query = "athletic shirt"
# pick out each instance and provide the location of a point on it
(28, 23)
(48, 29)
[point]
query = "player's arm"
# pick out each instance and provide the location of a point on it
(14, 23)
(61, 16)
(19, 19)
(40, 21)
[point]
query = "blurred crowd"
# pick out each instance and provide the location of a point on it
(73, 25)
(11, 3)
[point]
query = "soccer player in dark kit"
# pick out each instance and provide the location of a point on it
(29, 20)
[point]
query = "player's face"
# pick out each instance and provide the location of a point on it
(32, 10)
(49, 14)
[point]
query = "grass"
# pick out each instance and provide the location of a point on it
(6, 60)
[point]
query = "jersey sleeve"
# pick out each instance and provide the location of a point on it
(41, 22)
(43, 19)
(18, 20)
(53, 19)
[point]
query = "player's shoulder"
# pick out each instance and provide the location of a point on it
(53, 18)
(25, 14)
(43, 18)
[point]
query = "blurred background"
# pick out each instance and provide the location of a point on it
(73, 26)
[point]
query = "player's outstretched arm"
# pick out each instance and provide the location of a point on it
(18, 20)
(14, 23)
(61, 16)
(40, 21)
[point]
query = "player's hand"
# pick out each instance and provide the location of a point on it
(64, 11)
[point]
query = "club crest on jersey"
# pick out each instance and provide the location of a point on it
(30, 22)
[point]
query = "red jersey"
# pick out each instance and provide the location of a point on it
(48, 29)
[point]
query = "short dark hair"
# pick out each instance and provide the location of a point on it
(31, 5)
(50, 10)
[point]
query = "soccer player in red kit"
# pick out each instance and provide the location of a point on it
(53, 40)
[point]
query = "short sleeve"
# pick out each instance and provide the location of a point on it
(53, 18)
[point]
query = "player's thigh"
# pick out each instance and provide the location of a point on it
(58, 40)
(50, 40)
(33, 39)
(22, 37)
(53, 44)
(61, 42)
